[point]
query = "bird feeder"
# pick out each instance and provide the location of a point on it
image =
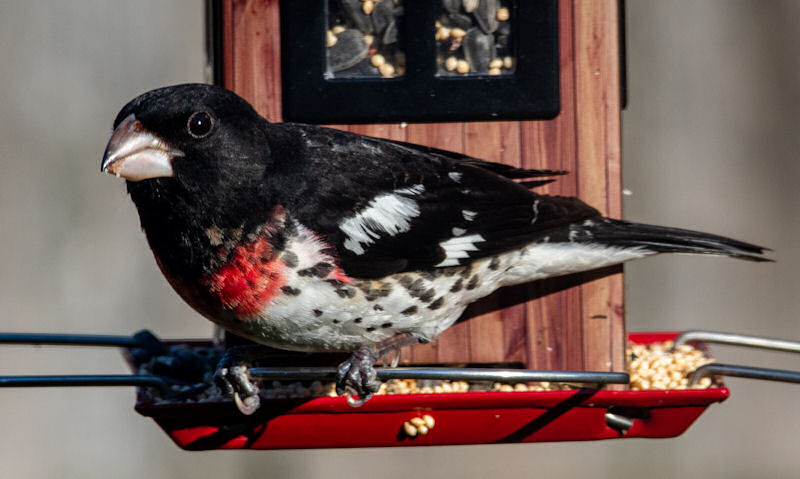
(541, 89)
(534, 84)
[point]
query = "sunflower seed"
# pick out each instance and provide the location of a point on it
(391, 34)
(486, 15)
(478, 49)
(470, 5)
(459, 20)
(349, 50)
(382, 16)
(356, 16)
(452, 6)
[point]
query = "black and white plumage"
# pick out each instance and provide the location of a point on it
(308, 238)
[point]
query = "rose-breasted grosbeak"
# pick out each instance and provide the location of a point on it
(308, 238)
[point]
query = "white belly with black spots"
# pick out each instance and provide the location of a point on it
(320, 313)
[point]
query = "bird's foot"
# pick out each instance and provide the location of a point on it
(232, 378)
(357, 377)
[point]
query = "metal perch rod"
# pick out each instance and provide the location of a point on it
(86, 380)
(68, 339)
(737, 340)
(457, 374)
(718, 369)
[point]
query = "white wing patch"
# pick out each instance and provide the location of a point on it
(411, 190)
(458, 248)
(573, 234)
(469, 215)
(390, 213)
(455, 176)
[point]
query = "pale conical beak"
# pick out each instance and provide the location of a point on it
(136, 154)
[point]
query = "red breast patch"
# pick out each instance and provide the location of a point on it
(249, 280)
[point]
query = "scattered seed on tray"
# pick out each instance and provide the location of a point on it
(651, 367)
(656, 366)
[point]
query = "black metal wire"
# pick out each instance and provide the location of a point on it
(68, 339)
(86, 380)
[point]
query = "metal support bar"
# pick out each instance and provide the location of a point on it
(453, 374)
(68, 339)
(86, 380)
(143, 340)
(718, 369)
(618, 422)
(737, 340)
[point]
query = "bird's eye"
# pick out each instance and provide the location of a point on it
(200, 124)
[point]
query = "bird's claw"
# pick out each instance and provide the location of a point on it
(235, 380)
(357, 377)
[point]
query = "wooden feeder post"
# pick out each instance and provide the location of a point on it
(577, 322)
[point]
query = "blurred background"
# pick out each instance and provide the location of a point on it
(710, 142)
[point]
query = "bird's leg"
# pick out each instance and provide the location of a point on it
(232, 377)
(357, 375)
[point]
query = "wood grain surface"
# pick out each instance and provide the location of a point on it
(574, 322)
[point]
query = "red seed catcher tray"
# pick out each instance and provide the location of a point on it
(460, 418)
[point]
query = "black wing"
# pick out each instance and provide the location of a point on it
(389, 206)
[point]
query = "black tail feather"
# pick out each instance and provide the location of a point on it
(662, 239)
(513, 172)
(535, 183)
